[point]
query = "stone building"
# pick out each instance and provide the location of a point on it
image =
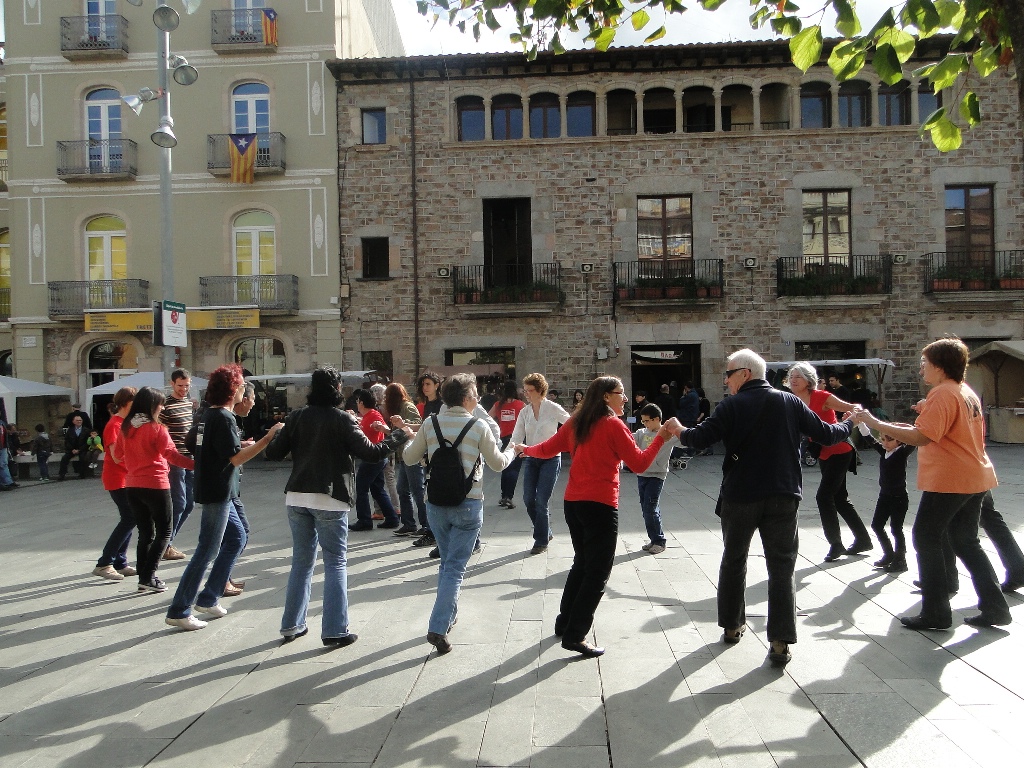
(644, 212)
(256, 264)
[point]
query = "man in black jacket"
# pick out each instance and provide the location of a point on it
(75, 440)
(761, 490)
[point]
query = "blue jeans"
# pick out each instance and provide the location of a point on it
(5, 470)
(182, 499)
(456, 530)
(330, 528)
(650, 494)
(411, 491)
(43, 459)
(370, 481)
(539, 478)
(510, 474)
(115, 551)
(221, 539)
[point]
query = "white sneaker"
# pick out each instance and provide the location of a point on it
(214, 611)
(189, 623)
(107, 572)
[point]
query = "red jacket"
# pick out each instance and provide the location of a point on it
(147, 450)
(114, 474)
(594, 473)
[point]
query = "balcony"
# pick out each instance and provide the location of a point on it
(269, 154)
(808, 276)
(3, 172)
(5, 304)
(958, 271)
(94, 37)
(95, 160)
(509, 290)
(270, 293)
(72, 298)
(243, 31)
(679, 282)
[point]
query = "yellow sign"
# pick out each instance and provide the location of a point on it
(119, 322)
(213, 319)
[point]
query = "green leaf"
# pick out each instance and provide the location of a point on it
(758, 17)
(970, 108)
(805, 47)
(986, 60)
(885, 21)
(951, 13)
(934, 117)
(901, 43)
(946, 135)
(556, 44)
(847, 22)
(846, 61)
(604, 38)
(710, 5)
(887, 64)
(947, 70)
(659, 33)
(640, 19)
(492, 23)
(786, 26)
(922, 15)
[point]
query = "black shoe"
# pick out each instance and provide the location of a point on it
(423, 531)
(426, 540)
(477, 547)
(361, 525)
(835, 552)
(921, 622)
(897, 565)
(389, 524)
(405, 530)
(296, 636)
(989, 620)
(779, 654)
(735, 636)
(153, 585)
(440, 642)
(860, 545)
(341, 642)
(435, 552)
(539, 549)
(1012, 584)
(884, 561)
(583, 648)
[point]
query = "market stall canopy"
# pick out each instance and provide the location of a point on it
(997, 373)
(348, 378)
(155, 379)
(878, 366)
(11, 389)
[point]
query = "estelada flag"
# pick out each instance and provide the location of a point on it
(242, 150)
(269, 26)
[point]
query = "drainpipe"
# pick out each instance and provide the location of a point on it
(415, 228)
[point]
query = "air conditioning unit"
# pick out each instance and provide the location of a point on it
(586, 268)
(444, 271)
(750, 262)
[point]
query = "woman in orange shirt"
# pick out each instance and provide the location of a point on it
(953, 473)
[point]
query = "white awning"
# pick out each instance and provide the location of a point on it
(155, 379)
(11, 389)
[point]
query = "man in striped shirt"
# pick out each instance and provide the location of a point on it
(177, 417)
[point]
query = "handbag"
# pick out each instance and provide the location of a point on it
(732, 457)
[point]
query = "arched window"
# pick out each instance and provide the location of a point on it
(545, 116)
(927, 101)
(621, 108)
(854, 104)
(470, 111)
(581, 114)
(250, 113)
(254, 237)
(103, 126)
(507, 117)
(105, 248)
(6, 363)
(894, 104)
(3, 147)
(261, 356)
(815, 105)
(5, 276)
(660, 111)
(105, 362)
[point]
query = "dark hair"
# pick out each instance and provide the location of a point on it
(365, 397)
(424, 376)
(325, 387)
(700, 392)
(509, 391)
(577, 392)
(394, 396)
(640, 393)
(222, 385)
(456, 388)
(593, 408)
(145, 402)
(652, 411)
(951, 355)
(40, 428)
(123, 397)
(688, 385)
(180, 373)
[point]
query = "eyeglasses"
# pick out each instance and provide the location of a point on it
(734, 370)
(617, 392)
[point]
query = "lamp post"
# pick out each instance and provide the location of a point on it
(165, 19)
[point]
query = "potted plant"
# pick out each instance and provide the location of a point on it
(867, 284)
(947, 278)
(1013, 279)
(975, 280)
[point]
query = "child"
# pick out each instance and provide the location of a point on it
(42, 448)
(94, 445)
(652, 480)
(892, 501)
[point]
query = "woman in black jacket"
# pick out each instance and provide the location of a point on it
(319, 494)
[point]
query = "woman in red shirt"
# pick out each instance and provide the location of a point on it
(370, 474)
(147, 448)
(833, 500)
(599, 441)
(505, 412)
(113, 562)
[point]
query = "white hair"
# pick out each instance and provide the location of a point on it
(378, 390)
(806, 370)
(748, 358)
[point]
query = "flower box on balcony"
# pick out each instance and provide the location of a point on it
(975, 285)
(1011, 283)
(946, 284)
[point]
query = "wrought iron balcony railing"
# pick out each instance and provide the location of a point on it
(653, 279)
(982, 270)
(72, 298)
(267, 292)
(507, 284)
(92, 159)
(5, 304)
(3, 172)
(269, 153)
(94, 37)
(812, 276)
(240, 31)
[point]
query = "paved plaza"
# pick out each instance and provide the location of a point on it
(90, 675)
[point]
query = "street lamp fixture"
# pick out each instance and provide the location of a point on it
(163, 136)
(182, 72)
(165, 18)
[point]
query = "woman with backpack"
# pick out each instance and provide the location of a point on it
(455, 498)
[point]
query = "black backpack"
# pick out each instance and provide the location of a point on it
(447, 484)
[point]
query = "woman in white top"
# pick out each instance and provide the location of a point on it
(538, 421)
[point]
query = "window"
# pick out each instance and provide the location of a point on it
(106, 250)
(545, 116)
(250, 110)
(664, 227)
(374, 126)
(508, 241)
(659, 111)
(95, 10)
(894, 104)
(494, 356)
(826, 227)
(5, 259)
(470, 111)
(376, 258)
(700, 118)
(970, 221)
(246, 23)
(6, 363)
(382, 362)
(927, 101)
(854, 104)
(621, 107)
(815, 106)
(581, 114)
(103, 122)
(255, 242)
(261, 356)
(507, 117)
(3, 147)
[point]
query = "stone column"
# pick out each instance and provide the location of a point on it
(601, 116)
(873, 106)
(563, 127)
(833, 92)
(755, 94)
(717, 93)
(679, 110)
(915, 108)
(640, 113)
(488, 133)
(524, 101)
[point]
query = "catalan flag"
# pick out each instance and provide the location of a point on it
(242, 150)
(269, 26)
